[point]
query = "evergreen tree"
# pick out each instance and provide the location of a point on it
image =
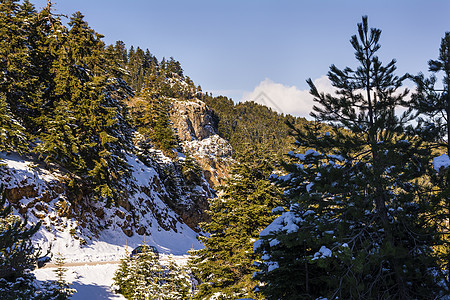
(251, 123)
(86, 131)
(191, 170)
(358, 219)
(17, 255)
(13, 56)
(135, 68)
(177, 281)
(12, 134)
(151, 117)
(224, 267)
(64, 292)
(144, 277)
(434, 105)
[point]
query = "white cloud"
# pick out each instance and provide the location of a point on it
(286, 99)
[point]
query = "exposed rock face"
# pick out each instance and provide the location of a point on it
(214, 156)
(41, 194)
(161, 198)
(192, 120)
(195, 128)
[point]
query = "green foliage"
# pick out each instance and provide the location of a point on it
(249, 123)
(191, 170)
(64, 292)
(18, 258)
(433, 105)
(12, 134)
(432, 102)
(17, 252)
(151, 119)
(144, 277)
(358, 220)
(243, 208)
(85, 132)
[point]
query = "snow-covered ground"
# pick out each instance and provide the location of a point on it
(94, 282)
(110, 244)
(91, 282)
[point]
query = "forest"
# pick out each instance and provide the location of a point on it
(352, 205)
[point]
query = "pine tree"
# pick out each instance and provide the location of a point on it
(12, 134)
(18, 255)
(434, 105)
(85, 132)
(144, 277)
(357, 224)
(64, 292)
(224, 267)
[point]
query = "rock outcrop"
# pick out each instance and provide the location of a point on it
(196, 130)
(161, 198)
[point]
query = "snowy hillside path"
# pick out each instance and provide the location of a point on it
(93, 279)
(80, 263)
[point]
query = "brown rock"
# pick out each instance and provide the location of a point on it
(120, 213)
(127, 230)
(39, 214)
(192, 120)
(123, 202)
(141, 230)
(100, 213)
(17, 193)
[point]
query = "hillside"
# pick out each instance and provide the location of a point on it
(112, 140)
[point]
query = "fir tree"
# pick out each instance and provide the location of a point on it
(12, 134)
(178, 279)
(151, 117)
(357, 224)
(144, 277)
(191, 170)
(13, 56)
(86, 131)
(224, 267)
(64, 292)
(17, 255)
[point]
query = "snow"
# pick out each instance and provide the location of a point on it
(91, 282)
(212, 146)
(79, 244)
(273, 242)
(272, 266)
(442, 161)
(323, 252)
(287, 221)
(278, 209)
(303, 156)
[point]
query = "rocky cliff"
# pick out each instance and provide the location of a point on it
(159, 199)
(196, 130)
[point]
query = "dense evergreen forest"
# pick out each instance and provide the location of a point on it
(350, 206)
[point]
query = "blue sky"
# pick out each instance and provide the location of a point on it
(242, 48)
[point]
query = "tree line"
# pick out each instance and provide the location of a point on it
(359, 210)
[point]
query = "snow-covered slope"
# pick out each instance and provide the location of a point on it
(93, 232)
(160, 207)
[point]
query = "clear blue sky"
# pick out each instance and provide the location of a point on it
(230, 47)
